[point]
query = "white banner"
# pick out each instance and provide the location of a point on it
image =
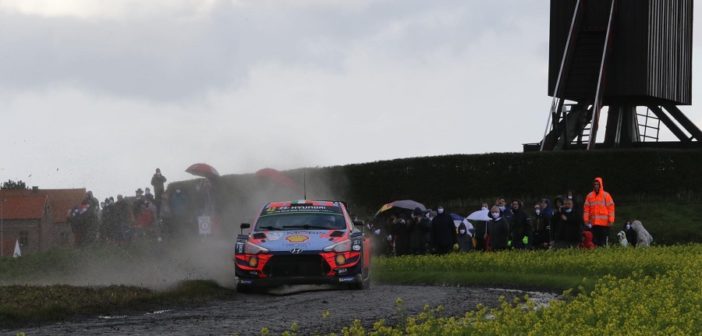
(204, 225)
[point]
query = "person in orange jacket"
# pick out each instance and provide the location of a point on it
(598, 212)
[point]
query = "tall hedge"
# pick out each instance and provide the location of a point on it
(650, 173)
(459, 181)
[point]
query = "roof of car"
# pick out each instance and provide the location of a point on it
(302, 202)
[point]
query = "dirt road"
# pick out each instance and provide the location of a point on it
(314, 309)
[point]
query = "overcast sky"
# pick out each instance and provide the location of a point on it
(97, 94)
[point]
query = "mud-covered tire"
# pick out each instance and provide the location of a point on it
(364, 281)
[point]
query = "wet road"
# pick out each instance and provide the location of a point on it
(314, 309)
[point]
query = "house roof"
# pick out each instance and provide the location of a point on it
(23, 207)
(61, 200)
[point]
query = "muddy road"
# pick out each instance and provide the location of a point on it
(314, 309)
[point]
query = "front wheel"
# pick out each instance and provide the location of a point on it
(364, 280)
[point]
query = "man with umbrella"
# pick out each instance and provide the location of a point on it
(399, 223)
(443, 232)
(481, 219)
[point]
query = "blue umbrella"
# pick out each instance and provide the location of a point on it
(457, 219)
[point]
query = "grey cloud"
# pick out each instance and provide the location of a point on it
(168, 58)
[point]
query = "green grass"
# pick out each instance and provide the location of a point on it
(526, 281)
(551, 270)
(24, 299)
(670, 222)
(24, 305)
(644, 291)
(64, 262)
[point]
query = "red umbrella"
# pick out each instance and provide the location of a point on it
(203, 169)
(279, 178)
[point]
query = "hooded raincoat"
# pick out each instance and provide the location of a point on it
(598, 209)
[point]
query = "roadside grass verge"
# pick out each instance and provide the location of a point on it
(523, 281)
(64, 283)
(645, 291)
(554, 270)
(22, 305)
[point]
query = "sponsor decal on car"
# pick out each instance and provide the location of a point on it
(273, 236)
(347, 279)
(297, 238)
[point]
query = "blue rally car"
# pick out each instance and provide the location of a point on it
(302, 242)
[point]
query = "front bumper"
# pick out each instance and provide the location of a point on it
(300, 280)
(282, 269)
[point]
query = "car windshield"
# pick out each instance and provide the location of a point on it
(301, 221)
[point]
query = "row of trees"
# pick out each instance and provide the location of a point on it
(12, 185)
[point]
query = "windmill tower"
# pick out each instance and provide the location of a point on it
(632, 58)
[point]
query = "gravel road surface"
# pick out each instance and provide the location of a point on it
(317, 310)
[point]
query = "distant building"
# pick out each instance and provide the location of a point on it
(37, 218)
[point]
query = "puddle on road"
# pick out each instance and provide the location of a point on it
(117, 317)
(107, 317)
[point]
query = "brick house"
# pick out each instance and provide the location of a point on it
(37, 218)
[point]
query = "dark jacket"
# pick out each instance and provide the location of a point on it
(519, 225)
(541, 233)
(570, 229)
(401, 232)
(630, 235)
(499, 233)
(419, 227)
(443, 231)
(158, 181)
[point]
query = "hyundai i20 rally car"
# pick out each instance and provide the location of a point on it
(302, 242)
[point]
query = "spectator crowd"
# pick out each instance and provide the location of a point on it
(562, 222)
(559, 223)
(145, 215)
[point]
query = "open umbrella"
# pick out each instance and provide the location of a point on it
(204, 170)
(480, 215)
(401, 205)
(457, 219)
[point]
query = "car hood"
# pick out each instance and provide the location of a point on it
(307, 240)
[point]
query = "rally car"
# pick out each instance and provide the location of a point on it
(302, 242)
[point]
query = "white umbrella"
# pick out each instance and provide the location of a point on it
(480, 215)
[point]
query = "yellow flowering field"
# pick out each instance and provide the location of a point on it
(655, 291)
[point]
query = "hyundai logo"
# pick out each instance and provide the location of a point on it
(296, 251)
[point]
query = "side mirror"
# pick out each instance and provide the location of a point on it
(244, 226)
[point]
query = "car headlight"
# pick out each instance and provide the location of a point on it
(343, 246)
(251, 248)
